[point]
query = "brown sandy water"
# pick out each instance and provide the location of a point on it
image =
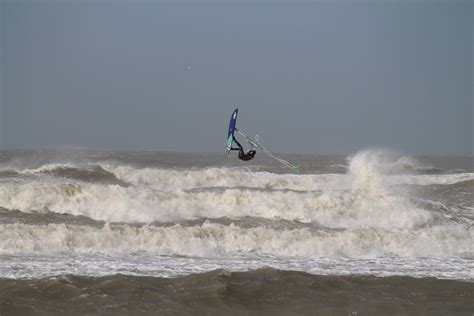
(258, 292)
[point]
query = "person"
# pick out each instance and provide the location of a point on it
(242, 155)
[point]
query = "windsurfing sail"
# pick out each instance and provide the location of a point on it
(231, 130)
(255, 144)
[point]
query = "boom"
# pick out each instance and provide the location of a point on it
(256, 144)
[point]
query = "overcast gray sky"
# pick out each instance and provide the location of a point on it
(310, 77)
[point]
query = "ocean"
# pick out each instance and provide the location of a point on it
(102, 232)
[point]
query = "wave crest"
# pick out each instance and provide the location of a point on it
(215, 240)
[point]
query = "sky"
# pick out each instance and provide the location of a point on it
(328, 77)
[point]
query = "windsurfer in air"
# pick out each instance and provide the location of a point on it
(242, 155)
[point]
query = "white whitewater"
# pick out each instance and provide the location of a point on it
(203, 218)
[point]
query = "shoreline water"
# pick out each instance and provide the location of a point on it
(258, 292)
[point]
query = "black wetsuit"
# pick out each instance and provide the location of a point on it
(244, 156)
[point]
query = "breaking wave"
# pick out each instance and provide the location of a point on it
(366, 204)
(369, 211)
(115, 193)
(215, 240)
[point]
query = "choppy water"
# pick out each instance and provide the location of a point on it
(263, 291)
(166, 214)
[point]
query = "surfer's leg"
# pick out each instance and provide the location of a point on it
(240, 149)
(238, 144)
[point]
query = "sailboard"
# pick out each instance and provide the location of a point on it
(255, 144)
(231, 130)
